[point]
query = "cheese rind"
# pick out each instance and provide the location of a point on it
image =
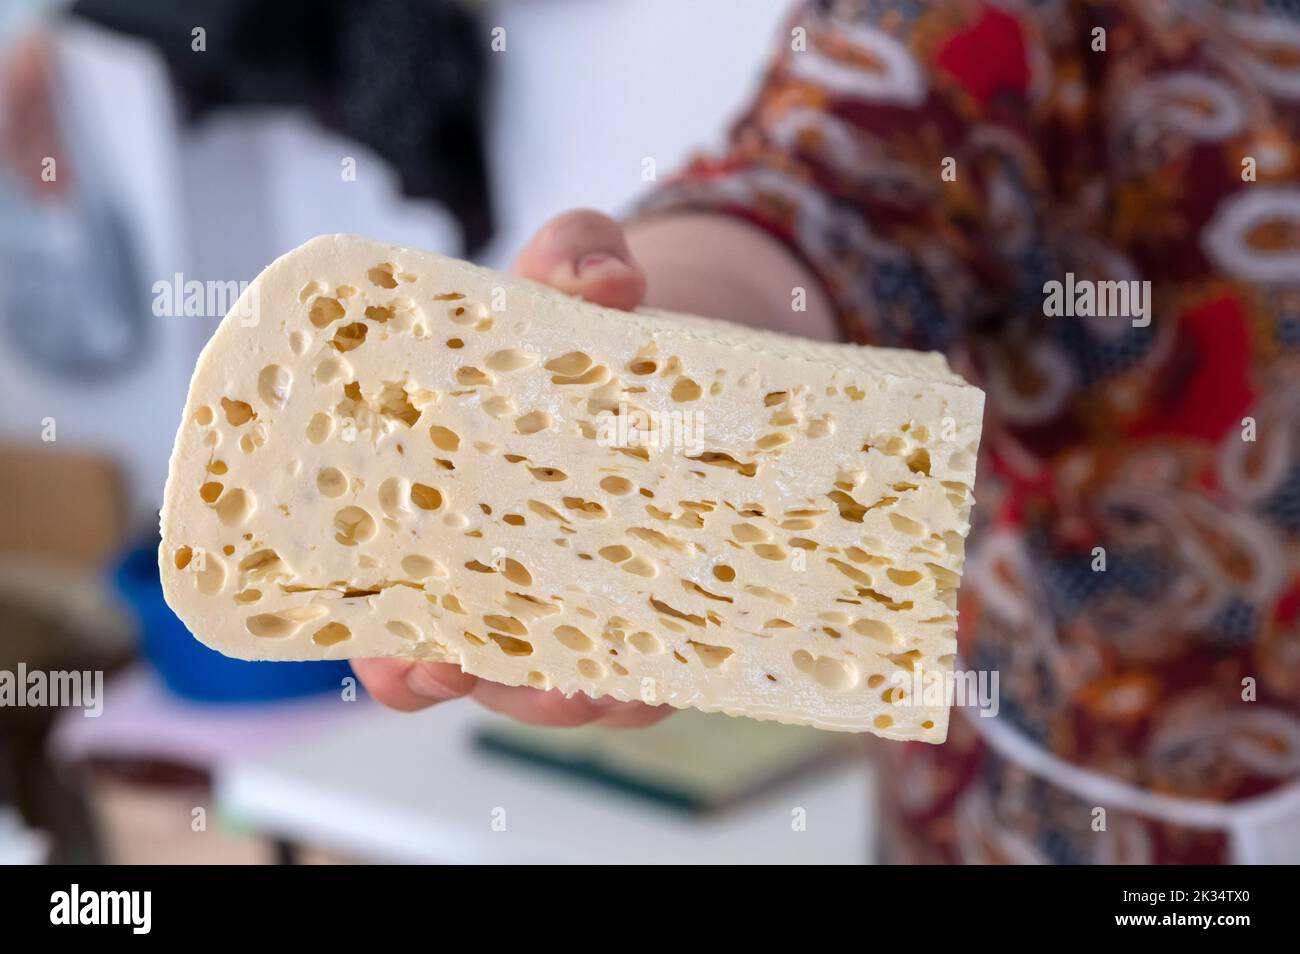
(407, 455)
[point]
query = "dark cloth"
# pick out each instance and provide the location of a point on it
(408, 78)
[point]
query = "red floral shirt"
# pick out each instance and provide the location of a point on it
(1134, 572)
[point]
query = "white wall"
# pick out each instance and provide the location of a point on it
(587, 88)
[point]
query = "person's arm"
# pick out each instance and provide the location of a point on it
(722, 267)
(29, 132)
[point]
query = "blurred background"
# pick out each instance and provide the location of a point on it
(203, 140)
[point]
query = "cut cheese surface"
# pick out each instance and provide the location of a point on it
(386, 452)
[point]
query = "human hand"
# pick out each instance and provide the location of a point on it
(583, 254)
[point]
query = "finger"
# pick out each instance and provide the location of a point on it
(552, 708)
(584, 254)
(632, 715)
(536, 706)
(408, 685)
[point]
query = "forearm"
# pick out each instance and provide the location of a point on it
(722, 267)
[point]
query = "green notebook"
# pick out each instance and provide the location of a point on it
(693, 761)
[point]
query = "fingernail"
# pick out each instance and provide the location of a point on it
(598, 260)
(422, 681)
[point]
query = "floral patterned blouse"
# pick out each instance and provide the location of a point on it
(1134, 571)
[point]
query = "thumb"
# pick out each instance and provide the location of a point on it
(584, 254)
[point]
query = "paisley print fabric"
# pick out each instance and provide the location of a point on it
(935, 165)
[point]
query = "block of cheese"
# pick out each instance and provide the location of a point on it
(386, 452)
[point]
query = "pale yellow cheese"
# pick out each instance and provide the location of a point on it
(386, 452)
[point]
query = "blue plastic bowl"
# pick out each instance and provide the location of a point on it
(192, 670)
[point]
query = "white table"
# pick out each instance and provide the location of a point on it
(412, 788)
(141, 719)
